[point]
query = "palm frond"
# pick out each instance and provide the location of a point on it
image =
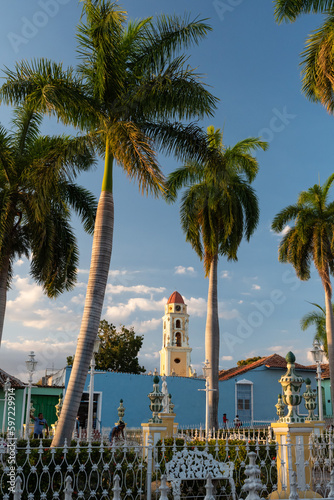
(289, 10)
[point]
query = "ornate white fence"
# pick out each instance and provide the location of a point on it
(134, 472)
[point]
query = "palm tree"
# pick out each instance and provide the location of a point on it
(311, 239)
(317, 319)
(130, 89)
(317, 59)
(37, 194)
(218, 209)
(289, 10)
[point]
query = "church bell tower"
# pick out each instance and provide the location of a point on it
(175, 352)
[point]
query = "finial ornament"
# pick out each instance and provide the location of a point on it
(280, 407)
(310, 397)
(156, 398)
(291, 385)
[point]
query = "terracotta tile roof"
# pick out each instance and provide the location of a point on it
(272, 361)
(324, 368)
(175, 298)
(14, 382)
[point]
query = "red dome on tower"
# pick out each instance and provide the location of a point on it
(175, 298)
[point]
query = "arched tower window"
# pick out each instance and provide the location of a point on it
(178, 339)
(178, 323)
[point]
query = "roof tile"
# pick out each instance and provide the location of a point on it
(272, 361)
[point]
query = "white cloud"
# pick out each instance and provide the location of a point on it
(28, 295)
(141, 289)
(284, 231)
(78, 299)
(82, 271)
(148, 325)
(189, 271)
(50, 353)
(19, 262)
(256, 287)
(226, 358)
(227, 314)
(33, 309)
(122, 311)
(196, 307)
(226, 275)
(152, 355)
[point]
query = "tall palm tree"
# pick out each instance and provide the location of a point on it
(37, 194)
(317, 319)
(131, 87)
(318, 57)
(311, 240)
(218, 209)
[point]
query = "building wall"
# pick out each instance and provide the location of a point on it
(19, 398)
(265, 392)
(188, 400)
(326, 386)
(44, 400)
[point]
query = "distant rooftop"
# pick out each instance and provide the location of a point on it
(14, 382)
(272, 361)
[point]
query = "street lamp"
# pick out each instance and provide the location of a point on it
(317, 353)
(206, 372)
(6, 388)
(91, 390)
(31, 367)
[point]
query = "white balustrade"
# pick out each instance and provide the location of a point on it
(129, 469)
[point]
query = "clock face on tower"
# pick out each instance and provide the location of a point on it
(178, 308)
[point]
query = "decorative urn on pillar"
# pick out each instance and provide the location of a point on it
(280, 407)
(156, 397)
(121, 411)
(291, 385)
(310, 400)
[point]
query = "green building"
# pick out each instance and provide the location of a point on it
(44, 399)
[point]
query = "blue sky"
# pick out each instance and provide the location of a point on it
(252, 65)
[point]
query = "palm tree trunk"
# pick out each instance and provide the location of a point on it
(330, 343)
(212, 343)
(3, 294)
(98, 277)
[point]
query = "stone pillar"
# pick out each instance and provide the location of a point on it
(155, 426)
(292, 435)
(293, 452)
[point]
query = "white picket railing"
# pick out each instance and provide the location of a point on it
(133, 472)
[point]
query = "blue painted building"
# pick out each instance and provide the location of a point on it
(250, 391)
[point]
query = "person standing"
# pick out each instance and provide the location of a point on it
(237, 422)
(40, 422)
(225, 420)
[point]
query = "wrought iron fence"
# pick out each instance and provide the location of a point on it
(33, 470)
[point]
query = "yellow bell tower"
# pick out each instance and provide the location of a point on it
(175, 352)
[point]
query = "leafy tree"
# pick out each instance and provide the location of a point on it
(118, 349)
(37, 194)
(318, 57)
(311, 240)
(317, 319)
(131, 88)
(248, 361)
(69, 360)
(218, 209)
